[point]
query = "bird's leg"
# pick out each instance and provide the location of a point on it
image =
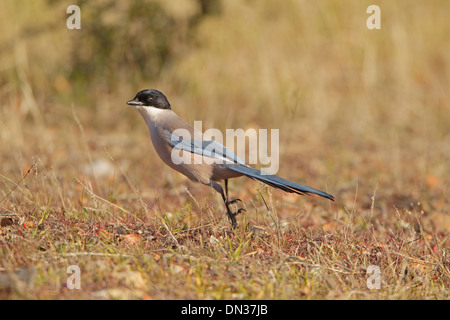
(231, 215)
(226, 188)
(228, 202)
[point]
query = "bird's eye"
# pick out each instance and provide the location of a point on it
(150, 98)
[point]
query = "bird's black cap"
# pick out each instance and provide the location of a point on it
(150, 98)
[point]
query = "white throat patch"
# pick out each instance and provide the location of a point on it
(151, 112)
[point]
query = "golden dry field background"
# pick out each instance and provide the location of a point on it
(362, 114)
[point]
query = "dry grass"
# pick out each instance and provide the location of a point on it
(362, 114)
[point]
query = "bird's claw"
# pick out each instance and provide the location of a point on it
(232, 215)
(239, 211)
(234, 201)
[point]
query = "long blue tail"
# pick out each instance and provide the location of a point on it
(277, 182)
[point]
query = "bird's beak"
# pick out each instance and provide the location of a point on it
(135, 103)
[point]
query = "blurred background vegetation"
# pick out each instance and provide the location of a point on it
(357, 108)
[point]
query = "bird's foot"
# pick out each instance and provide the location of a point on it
(232, 214)
(234, 201)
(239, 210)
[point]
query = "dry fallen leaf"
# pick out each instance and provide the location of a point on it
(177, 268)
(131, 239)
(28, 224)
(433, 181)
(102, 233)
(6, 222)
(421, 266)
(329, 226)
(155, 256)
